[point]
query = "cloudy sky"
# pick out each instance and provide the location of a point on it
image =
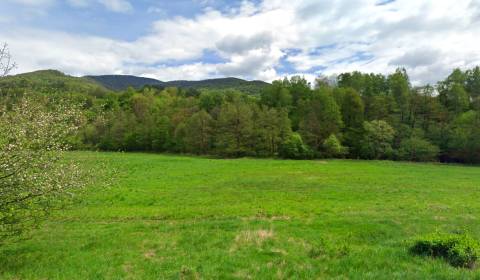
(265, 40)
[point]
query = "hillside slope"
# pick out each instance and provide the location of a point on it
(250, 87)
(51, 81)
(122, 82)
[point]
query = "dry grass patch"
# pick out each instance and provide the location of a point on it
(252, 237)
(128, 269)
(242, 274)
(149, 254)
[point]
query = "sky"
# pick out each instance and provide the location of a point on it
(255, 40)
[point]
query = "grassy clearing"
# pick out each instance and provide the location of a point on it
(196, 218)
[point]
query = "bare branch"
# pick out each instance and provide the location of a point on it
(6, 62)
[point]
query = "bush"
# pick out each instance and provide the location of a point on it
(378, 138)
(294, 148)
(417, 149)
(333, 148)
(459, 250)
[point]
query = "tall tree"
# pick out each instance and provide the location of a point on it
(400, 89)
(299, 88)
(235, 128)
(161, 133)
(272, 127)
(452, 93)
(321, 118)
(464, 144)
(355, 80)
(199, 132)
(473, 82)
(352, 115)
(277, 94)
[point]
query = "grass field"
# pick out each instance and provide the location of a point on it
(194, 218)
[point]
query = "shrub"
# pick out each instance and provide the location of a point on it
(418, 149)
(294, 148)
(459, 250)
(333, 148)
(377, 140)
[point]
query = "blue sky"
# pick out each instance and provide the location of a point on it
(262, 39)
(95, 18)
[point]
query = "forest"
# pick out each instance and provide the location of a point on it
(355, 115)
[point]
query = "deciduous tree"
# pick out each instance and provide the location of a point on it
(34, 175)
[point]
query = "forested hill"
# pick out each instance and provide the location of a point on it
(122, 82)
(51, 81)
(250, 87)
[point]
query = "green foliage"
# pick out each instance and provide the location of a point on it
(235, 122)
(353, 112)
(199, 132)
(377, 140)
(122, 82)
(458, 250)
(464, 144)
(277, 95)
(333, 148)
(472, 84)
(294, 148)
(51, 82)
(352, 109)
(418, 149)
(321, 118)
(235, 128)
(191, 88)
(400, 89)
(271, 127)
(452, 92)
(34, 175)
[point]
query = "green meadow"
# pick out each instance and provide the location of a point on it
(178, 217)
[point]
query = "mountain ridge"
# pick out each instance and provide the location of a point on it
(48, 80)
(122, 82)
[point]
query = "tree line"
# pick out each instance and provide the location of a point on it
(357, 115)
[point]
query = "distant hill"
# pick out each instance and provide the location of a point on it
(121, 82)
(51, 81)
(251, 87)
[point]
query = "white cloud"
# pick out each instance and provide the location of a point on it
(428, 37)
(73, 54)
